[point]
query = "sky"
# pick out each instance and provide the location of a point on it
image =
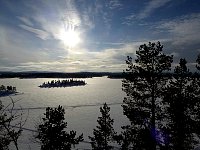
(94, 35)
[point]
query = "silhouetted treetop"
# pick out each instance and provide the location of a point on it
(182, 68)
(198, 62)
(104, 132)
(52, 134)
(151, 59)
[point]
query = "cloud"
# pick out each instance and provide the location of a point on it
(38, 32)
(71, 15)
(52, 18)
(129, 20)
(103, 17)
(115, 4)
(23, 54)
(183, 30)
(182, 38)
(25, 20)
(145, 12)
(108, 43)
(23, 58)
(86, 21)
(111, 59)
(87, 17)
(17, 48)
(150, 7)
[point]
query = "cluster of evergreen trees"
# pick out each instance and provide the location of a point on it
(8, 88)
(163, 110)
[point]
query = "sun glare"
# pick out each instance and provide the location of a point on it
(70, 38)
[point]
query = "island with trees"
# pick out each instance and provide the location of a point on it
(7, 90)
(62, 83)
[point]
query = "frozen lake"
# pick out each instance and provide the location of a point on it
(81, 105)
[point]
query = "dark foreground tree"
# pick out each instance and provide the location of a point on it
(52, 134)
(11, 124)
(198, 62)
(103, 135)
(143, 84)
(182, 97)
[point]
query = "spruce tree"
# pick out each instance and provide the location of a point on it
(52, 134)
(182, 98)
(143, 84)
(104, 132)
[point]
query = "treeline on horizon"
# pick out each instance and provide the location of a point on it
(112, 75)
(163, 110)
(24, 75)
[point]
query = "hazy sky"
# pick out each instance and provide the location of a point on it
(93, 35)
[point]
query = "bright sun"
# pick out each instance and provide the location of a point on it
(70, 38)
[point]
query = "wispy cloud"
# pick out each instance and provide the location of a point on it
(51, 18)
(145, 12)
(87, 22)
(111, 59)
(183, 30)
(70, 15)
(115, 4)
(151, 7)
(129, 20)
(18, 48)
(87, 17)
(25, 20)
(39, 33)
(102, 15)
(108, 43)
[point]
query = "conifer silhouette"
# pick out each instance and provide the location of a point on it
(182, 97)
(104, 132)
(52, 134)
(143, 84)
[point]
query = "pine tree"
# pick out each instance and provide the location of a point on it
(183, 102)
(143, 84)
(52, 134)
(104, 133)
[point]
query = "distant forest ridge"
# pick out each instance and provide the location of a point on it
(24, 75)
(112, 75)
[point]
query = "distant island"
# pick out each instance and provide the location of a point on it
(7, 90)
(62, 83)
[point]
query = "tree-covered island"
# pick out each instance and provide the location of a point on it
(62, 83)
(7, 90)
